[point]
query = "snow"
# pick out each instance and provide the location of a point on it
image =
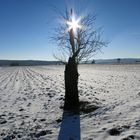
(70, 127)
(30, 100)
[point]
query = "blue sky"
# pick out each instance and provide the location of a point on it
(26, 27)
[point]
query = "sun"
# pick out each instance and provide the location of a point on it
(74, 24)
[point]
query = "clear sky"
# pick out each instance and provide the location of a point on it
(26, 27)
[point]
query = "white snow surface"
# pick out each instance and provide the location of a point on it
(30, 100)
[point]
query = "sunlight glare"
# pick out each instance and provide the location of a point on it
(74, 24)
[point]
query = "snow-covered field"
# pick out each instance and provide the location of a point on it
(31, 97)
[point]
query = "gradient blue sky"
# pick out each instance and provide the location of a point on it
(26, 25)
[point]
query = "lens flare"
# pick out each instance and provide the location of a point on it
(74, 24)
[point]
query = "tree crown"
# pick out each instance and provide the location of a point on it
(77, 38)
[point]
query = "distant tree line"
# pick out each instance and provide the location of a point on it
(14, 64)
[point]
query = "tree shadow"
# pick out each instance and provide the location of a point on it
(70, 126)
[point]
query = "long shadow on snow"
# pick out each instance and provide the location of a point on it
(70, 126)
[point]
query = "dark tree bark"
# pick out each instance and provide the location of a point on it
(71, 85)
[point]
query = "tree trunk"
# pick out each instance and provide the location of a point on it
(71, 86)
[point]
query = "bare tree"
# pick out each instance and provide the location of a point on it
(118, 60)
(78, 40)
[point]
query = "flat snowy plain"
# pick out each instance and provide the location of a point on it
(30, 100)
